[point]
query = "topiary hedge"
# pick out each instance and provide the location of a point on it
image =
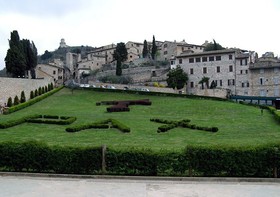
(31, 101)
(193, 161)
(105, 124)
(19, 121)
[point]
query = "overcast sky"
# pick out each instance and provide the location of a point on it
(246, 24)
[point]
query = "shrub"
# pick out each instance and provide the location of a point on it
(15, 122)
(31, 101)
(31, 95)
(22, 97)
(53, 120)
(51, 86)
(39, 91)
(120, 126)
(51, 116)
(36, 93)
(10, 102)
(165, 128)
(16, 100)
(46, 89)
(43, 90)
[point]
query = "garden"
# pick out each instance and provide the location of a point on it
(170, 136)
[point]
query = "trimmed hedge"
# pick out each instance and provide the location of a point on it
(53, 120)
(193, 161)
(37, 119)
(31, 101)
(38, 157)
(185, 123)
(100, 125)
(275, 113)
(12, 123)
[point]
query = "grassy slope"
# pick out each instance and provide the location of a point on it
(238, 125)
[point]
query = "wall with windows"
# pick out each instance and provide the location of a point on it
(265, 81)
(218, 66)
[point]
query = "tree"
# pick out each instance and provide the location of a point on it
(145, 49)
(213, 46)
(46, 55)
(16, 100)
(154, 48)
(10, 102)
(30, 54)
(15, 60)
(21, 56)
(120, 55)
(204, 80)
(177, 78)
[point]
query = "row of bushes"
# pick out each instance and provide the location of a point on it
(47, 119)
(19, 121)
(185, 123)
(275, 113)
(193, 161)
(63, 120)
(105, 124)
(31, 101)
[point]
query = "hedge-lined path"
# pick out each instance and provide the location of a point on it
(62, 185)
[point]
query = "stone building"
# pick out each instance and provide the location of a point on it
(169, 50)
(50, 71)
(224, 69)
(265, 76)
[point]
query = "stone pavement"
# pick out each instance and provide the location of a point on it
(45, 186)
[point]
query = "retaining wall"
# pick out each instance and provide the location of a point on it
(10, 87)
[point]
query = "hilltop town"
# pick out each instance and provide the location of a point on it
(230, 71)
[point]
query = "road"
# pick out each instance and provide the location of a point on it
(25, 186)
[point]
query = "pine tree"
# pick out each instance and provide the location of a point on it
(145, 49)
(154, 48)
(30, 54)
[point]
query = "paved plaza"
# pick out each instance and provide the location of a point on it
(33, 186)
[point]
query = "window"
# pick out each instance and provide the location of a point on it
(261, 81)
(204, 59)
(241, 71)
(182, 48)
(241, 62)
(218, 58)
(231, 82)
(248, 85)
(230, 57)
(261, 71)
(180, 61)
(246, 62)
(230, 68)
(243, 85)
(172, 62)
(192, 84)
(165, 45)
(246, 71)
(221, 82)
(204, 70)
(191, 60)
(165, 52)
(211, 58)
(54, 72)
(131, 56)
(218, 69)
(191, 71)
(197, 59)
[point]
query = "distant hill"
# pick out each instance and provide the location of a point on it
(60, 53)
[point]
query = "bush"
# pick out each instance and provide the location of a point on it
(51, 116)
(16, 100)
(39, 91)
(15, 122)
(53, 120)
(31, 95)
(36, 93)
(46, 89)
(22, 97)
(31, 101)
(165, 128)
(51, 86)
(43, 90)
(10, 102)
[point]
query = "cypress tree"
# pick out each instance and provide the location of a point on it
(16, 100)
(120, 55)
(31, 94)
(22, 97)
(10, 102)
(145, 49)
(154, 48)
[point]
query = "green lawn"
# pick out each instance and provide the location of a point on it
(239, 125)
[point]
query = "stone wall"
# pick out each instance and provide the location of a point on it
(10, 87)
